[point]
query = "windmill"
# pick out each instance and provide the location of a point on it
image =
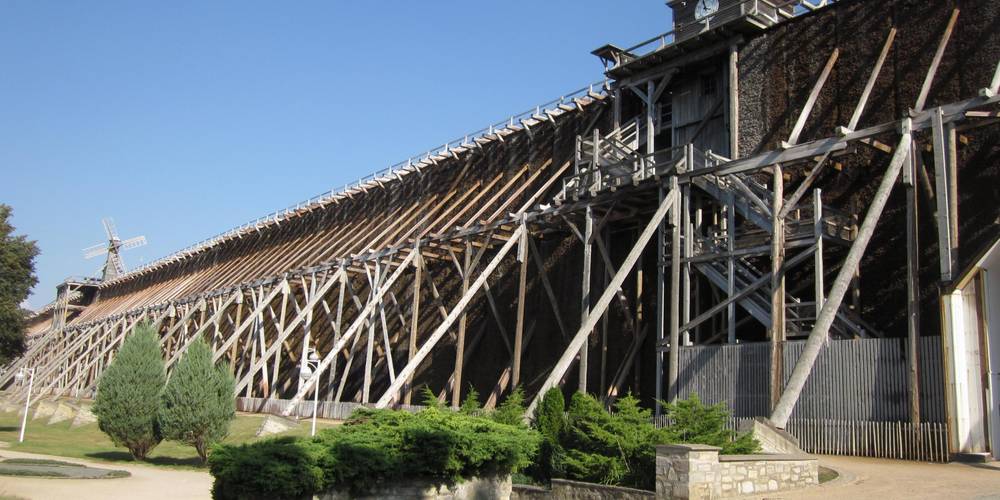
(113, 266)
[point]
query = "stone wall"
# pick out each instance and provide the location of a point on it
(477, 488)
(562, 489)
(698, 472)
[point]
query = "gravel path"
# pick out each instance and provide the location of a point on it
(878, 479)
(147, 482)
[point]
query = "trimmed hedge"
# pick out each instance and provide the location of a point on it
(372, 448)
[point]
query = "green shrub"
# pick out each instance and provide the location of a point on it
(471, 405)
(375, 446)
(695, 422)
(617, 449)
(128, 394)
(511, 411)
(429, 399)
(593, 445)
(277, 468)
(198, 402)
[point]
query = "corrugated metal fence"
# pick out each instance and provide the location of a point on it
(855, 402)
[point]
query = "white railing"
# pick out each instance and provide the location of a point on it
(762, 8)
(541, 112)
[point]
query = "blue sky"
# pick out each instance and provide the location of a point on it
(183, 119)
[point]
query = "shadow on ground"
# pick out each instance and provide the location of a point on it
(124, 456)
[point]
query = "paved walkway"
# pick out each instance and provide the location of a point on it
(861, 478)
(147, 482)
(879, 479)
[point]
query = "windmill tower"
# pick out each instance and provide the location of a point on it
(113, 266)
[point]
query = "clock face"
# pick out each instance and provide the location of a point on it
(705, 8)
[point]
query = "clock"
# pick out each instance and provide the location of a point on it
(705, 8)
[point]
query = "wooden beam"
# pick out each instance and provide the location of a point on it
(391, 393)
(561, 366)
(925, 89)
(414, 325)
(456, 394)
(349, 334)
(522, 256)
(777, 330)
(793, 138)
(588, 233)
(821, 329)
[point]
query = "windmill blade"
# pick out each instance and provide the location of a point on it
(138, 241)
(109, 227)
(94, 251)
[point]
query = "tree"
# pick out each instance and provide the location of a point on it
(471, 405)
(550, 422)
(130, 391)
(17, 276)
(199, 401)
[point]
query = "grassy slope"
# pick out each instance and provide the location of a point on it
(88, 442)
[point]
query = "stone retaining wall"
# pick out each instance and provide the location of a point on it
(562, 489)
(698, 472)
(477, 488)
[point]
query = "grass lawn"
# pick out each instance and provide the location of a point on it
(88, 442)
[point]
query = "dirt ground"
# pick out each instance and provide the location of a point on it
(147, 482)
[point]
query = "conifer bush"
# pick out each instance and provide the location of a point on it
(511, 411)
(129, 392)
(198, 402)
(371, 448)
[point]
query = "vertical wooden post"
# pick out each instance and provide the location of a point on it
(522, 256)
(818, 278)
(777, 284)
(730, 267)
(588, 236)
(913, 287)
(370, 344)
(661, 255)
(675, 289)
(943, 155)
(650, 118)
(686, 250)
(734, 102)
(605, 235)
(456, 389)
(336, 333)
(414, 321)
(239, 320)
